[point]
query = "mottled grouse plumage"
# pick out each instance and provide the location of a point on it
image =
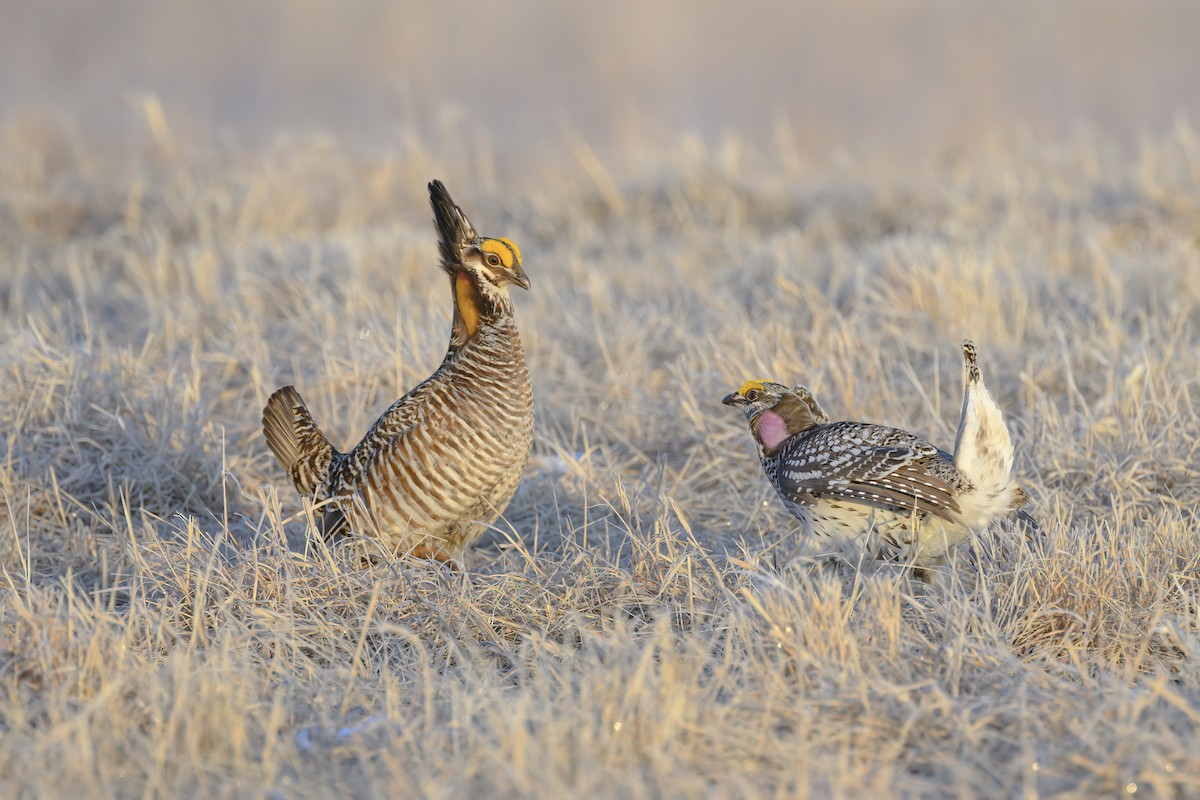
(870, 488)
(443, 462)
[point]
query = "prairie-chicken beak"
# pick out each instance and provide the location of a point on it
(732, 399)
(520, 278)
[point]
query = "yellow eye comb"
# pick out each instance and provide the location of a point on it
(504, 247)
(748, 385)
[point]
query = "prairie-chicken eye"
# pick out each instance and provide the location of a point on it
(753, 395)
(493, 260)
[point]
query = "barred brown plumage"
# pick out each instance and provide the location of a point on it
(871, 488)
(443, 461)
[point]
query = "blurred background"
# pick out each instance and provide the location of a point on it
(536, 76)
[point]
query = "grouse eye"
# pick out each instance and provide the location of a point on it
(753, 395)
(493, 260)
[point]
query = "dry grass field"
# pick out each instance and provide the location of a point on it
(641, 624)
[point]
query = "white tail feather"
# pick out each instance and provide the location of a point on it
(983, 450)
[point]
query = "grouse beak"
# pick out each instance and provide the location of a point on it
(519, 277)
(732, 399)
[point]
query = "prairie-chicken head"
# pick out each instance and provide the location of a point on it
(755, 397)
(775, 412)
(493, 263)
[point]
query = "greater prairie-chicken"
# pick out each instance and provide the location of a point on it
(444, 460)
(870, 489)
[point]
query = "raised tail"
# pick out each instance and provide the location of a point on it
(983, 450)
(296, 441)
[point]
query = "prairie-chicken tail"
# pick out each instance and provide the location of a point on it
(296, 441)
(983, 450)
